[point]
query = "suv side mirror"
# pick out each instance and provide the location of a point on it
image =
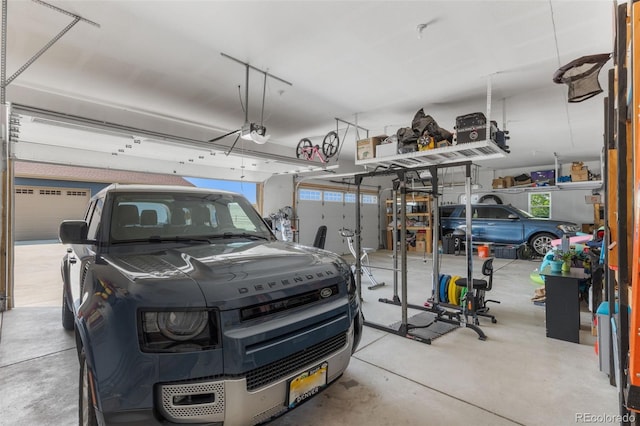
(512, 216)
(73, 232)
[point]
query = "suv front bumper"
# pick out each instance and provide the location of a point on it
(227, 401)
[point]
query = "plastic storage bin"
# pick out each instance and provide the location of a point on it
(508, 252)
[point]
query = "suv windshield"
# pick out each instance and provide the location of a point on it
(169, 216)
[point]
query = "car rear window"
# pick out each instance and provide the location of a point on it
(446, 211)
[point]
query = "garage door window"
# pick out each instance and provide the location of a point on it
(240, 219)
(333, 197)
(349, 198)
(369, 199)
(310, 195)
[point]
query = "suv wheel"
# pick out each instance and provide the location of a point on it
(86, 410)
(457, 241)
(541, 243)
(67, 314)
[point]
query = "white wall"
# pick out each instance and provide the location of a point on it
(278, 193)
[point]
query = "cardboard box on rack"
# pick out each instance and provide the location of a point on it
(579, 175)
(577, 166)
(367, 147)
(498, 183)
(509, 181)
(421, 245)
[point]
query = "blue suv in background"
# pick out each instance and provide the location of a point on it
(505, 224)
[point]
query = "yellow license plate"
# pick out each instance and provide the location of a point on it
(307, 384)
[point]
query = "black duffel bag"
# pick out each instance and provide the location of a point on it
(406, 136)
(425, 125)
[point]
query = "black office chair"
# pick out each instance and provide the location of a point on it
(321, 236)
(480, 287)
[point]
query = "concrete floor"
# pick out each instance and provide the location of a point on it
(516, 376)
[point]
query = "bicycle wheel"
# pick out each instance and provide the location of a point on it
(330, 144)
(304, 149)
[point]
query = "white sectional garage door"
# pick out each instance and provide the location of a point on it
(39, 210)
(336, 209)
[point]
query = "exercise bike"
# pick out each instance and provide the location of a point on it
(364, 259)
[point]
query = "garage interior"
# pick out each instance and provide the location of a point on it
(163, 92)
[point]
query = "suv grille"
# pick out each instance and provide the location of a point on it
(280, 305)
(276, 370)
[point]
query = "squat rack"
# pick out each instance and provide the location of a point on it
(457, 317)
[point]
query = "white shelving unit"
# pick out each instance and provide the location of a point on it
(587, 184)
(581, 185)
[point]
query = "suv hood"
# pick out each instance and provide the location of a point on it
(233, 275)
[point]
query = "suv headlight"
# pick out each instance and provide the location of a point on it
(178, 331)
(179, 325)
(567, 228)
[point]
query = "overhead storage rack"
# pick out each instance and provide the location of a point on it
(472, 151)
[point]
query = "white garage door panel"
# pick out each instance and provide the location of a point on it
(39, 210)
(370, 225)
(336, 215)
(312, 215)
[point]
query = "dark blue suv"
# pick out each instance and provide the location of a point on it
(505, 224)
(187, 309)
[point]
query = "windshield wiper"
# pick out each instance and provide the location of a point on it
(180, 239)
(159, 239)
(242, 235)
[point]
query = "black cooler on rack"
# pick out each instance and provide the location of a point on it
(471, 128)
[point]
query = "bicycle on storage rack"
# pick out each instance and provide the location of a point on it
(308, 151)
(364, 259)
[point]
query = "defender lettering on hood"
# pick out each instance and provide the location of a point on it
(285, 282)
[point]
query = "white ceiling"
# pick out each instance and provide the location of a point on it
(360, 61)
